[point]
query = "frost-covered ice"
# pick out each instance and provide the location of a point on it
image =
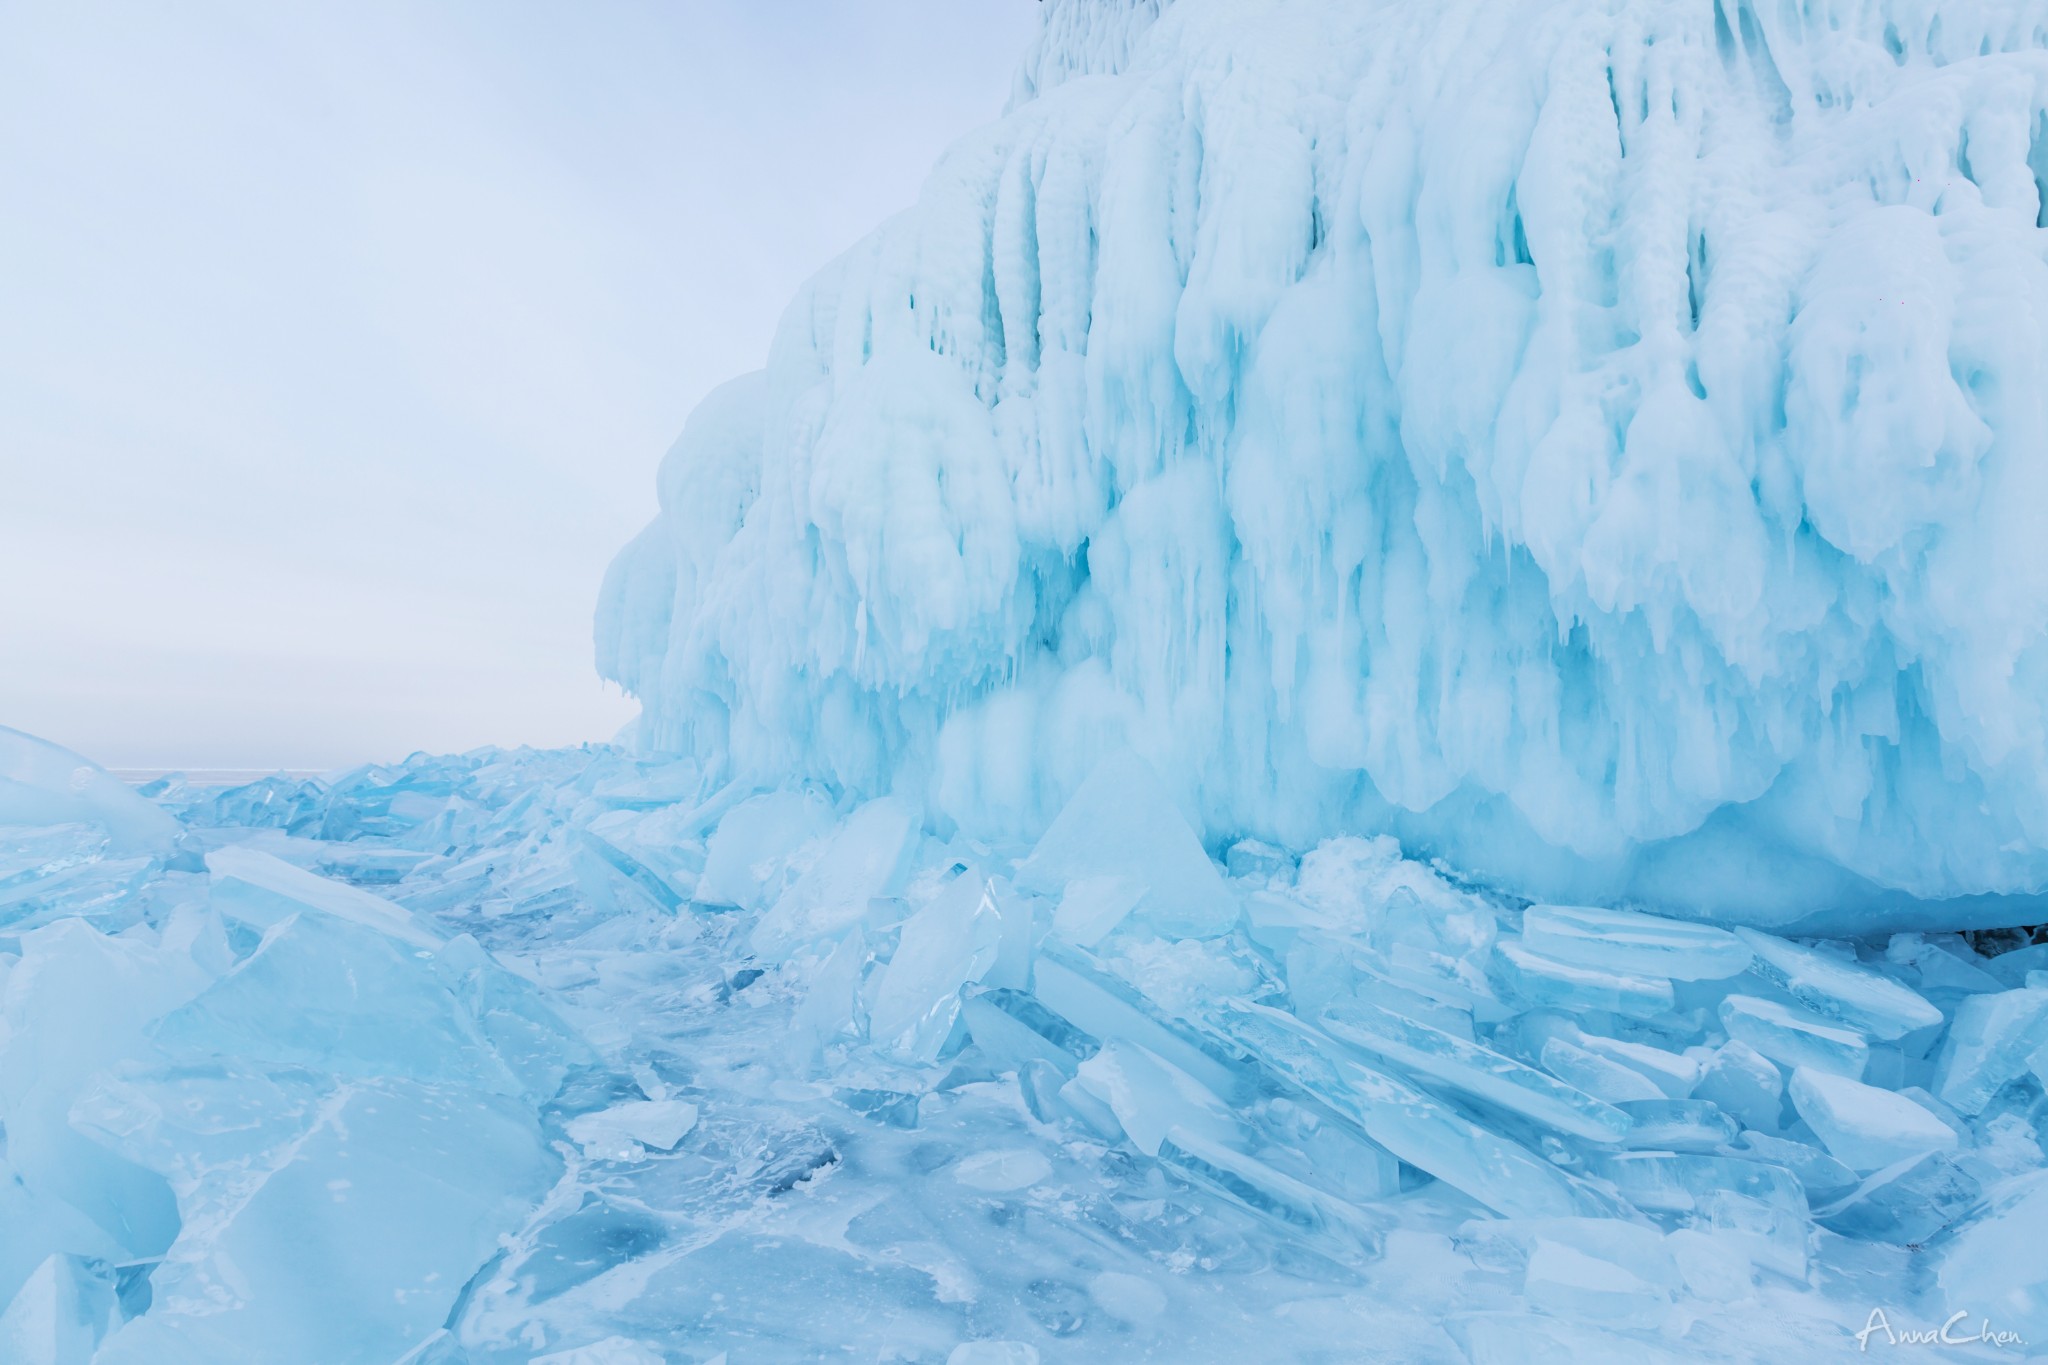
(1596, 440)
(397, 1066)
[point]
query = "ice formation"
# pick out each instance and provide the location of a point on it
(592, 1059)
(1247, 733)
(1598, 443)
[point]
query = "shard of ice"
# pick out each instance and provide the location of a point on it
(1842, 988)
(1864, 1126)
(1478, 1071)
(1122, 823)
(1794, 1037)
(1630, 941)
(1989, 1042)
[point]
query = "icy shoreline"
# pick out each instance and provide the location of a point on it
(510, 1056)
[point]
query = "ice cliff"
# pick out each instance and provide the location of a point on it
(1600, 443)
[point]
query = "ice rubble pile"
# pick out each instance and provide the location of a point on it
(1597, 440)
(573, 1057)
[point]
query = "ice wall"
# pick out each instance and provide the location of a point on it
(1602, 443)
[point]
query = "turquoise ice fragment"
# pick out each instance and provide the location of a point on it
(1629, 941)
(1478, 1071)
(1840, 989)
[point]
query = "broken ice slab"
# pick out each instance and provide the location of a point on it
(259, 890)
(1022, 928)
(1370, 988)
(1942, 963)
(1256, 1186)
(1307, 1139)
(275, 802)
(948, 944)
(746, 858)
(1824, 1178)
(1761, 1205)
(602, 865)
(1677, 1125)
(65, 870)
(1070, 1100)
(1595, 1075)
(1438, 947)
(40, 1224)
(1077, 988)
(533, 1042)
(1177, 977)
(2010, 969)
(650, 785)
(628, 1131)
(42, 784)
(832, 1007)
(1122, 822)
(1422, 1131)
(1746, 1084)
(1905, 1203)
(1989, 1042)
(1863, 1127)
(1456, 982)
(1794, 1036)
(863, 859)
(328, 994)
(1540, 982)
(1997, 1263)
(1318, 970)
(1682, 1182)
(32, 852)
(1150, 1096)
(101, 890)
(364, 1231)
(1013, 1029)
(387, 802)
(78, 1002)
(60, 1314)
(360, 865)
(205, 1126)
(1670, 1074)
(1477, 1071)
(897, 1108)
(1632, 943)
(1092, 906)
(1841, 988)
(665, 841)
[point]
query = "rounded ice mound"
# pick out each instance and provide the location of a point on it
(1602, 443)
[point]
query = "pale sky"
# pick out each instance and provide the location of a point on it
(339, 341)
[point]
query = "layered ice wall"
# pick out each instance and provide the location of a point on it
(1602, 443)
